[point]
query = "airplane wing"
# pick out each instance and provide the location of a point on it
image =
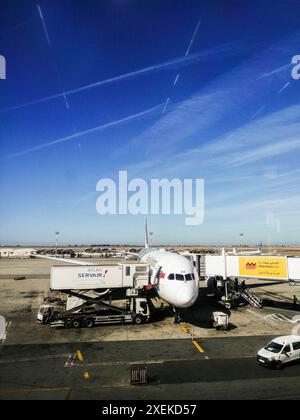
(67, 260)
(134, 254)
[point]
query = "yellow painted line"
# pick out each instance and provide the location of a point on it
(198, 347)
(86, 375)
(79, 355)
(183, 329)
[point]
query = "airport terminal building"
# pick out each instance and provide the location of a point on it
(16, 252)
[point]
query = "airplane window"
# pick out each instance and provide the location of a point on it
(171, 276)
(188, 277)
(179, 277)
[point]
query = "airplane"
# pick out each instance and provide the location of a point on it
(258, 251)
(246, 253)
(173, 276)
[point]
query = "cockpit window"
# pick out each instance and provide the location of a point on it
(181, 277)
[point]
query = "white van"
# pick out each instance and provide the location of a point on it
(280, 351)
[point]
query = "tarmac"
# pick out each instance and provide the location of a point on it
(185, 361)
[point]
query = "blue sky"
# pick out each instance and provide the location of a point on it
(172, 88)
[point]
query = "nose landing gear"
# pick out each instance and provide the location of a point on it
(178, 317)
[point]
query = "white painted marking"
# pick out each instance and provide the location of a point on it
(282, 318)
(4, 326)
(265, 318)
(31, 359)
(67, 363)
(70, 360)
(275, 319)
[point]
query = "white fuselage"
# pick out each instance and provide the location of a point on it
(173, 276)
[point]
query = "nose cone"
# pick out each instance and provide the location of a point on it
(186, 296)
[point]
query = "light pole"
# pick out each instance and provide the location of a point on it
(241, 236)
(56, 242)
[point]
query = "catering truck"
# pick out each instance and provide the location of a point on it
(89, 291)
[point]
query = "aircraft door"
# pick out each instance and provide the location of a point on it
(156, 275)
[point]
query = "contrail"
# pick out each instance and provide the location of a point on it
(64, 96)
(166, 104)
(277, 70)
(284, 87)
(258, 112)
(18, 25)
(186, 54)
(56, 67)
(193, 38)
(176, 80)
(66, 101)
(44, 24)
(227, 48)
(83, 133)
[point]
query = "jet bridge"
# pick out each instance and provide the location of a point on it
(225, 274)
(269, 267)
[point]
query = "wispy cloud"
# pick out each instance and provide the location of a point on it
(250, 208)
(263, 139)
(281, 147)
(188, 135)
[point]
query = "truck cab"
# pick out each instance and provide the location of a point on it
(280, 351)
(45, 313)
(140, 309)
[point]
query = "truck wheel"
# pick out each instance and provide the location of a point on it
(76, 323)
(89, 323)
(279, 365)
(138, 320)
